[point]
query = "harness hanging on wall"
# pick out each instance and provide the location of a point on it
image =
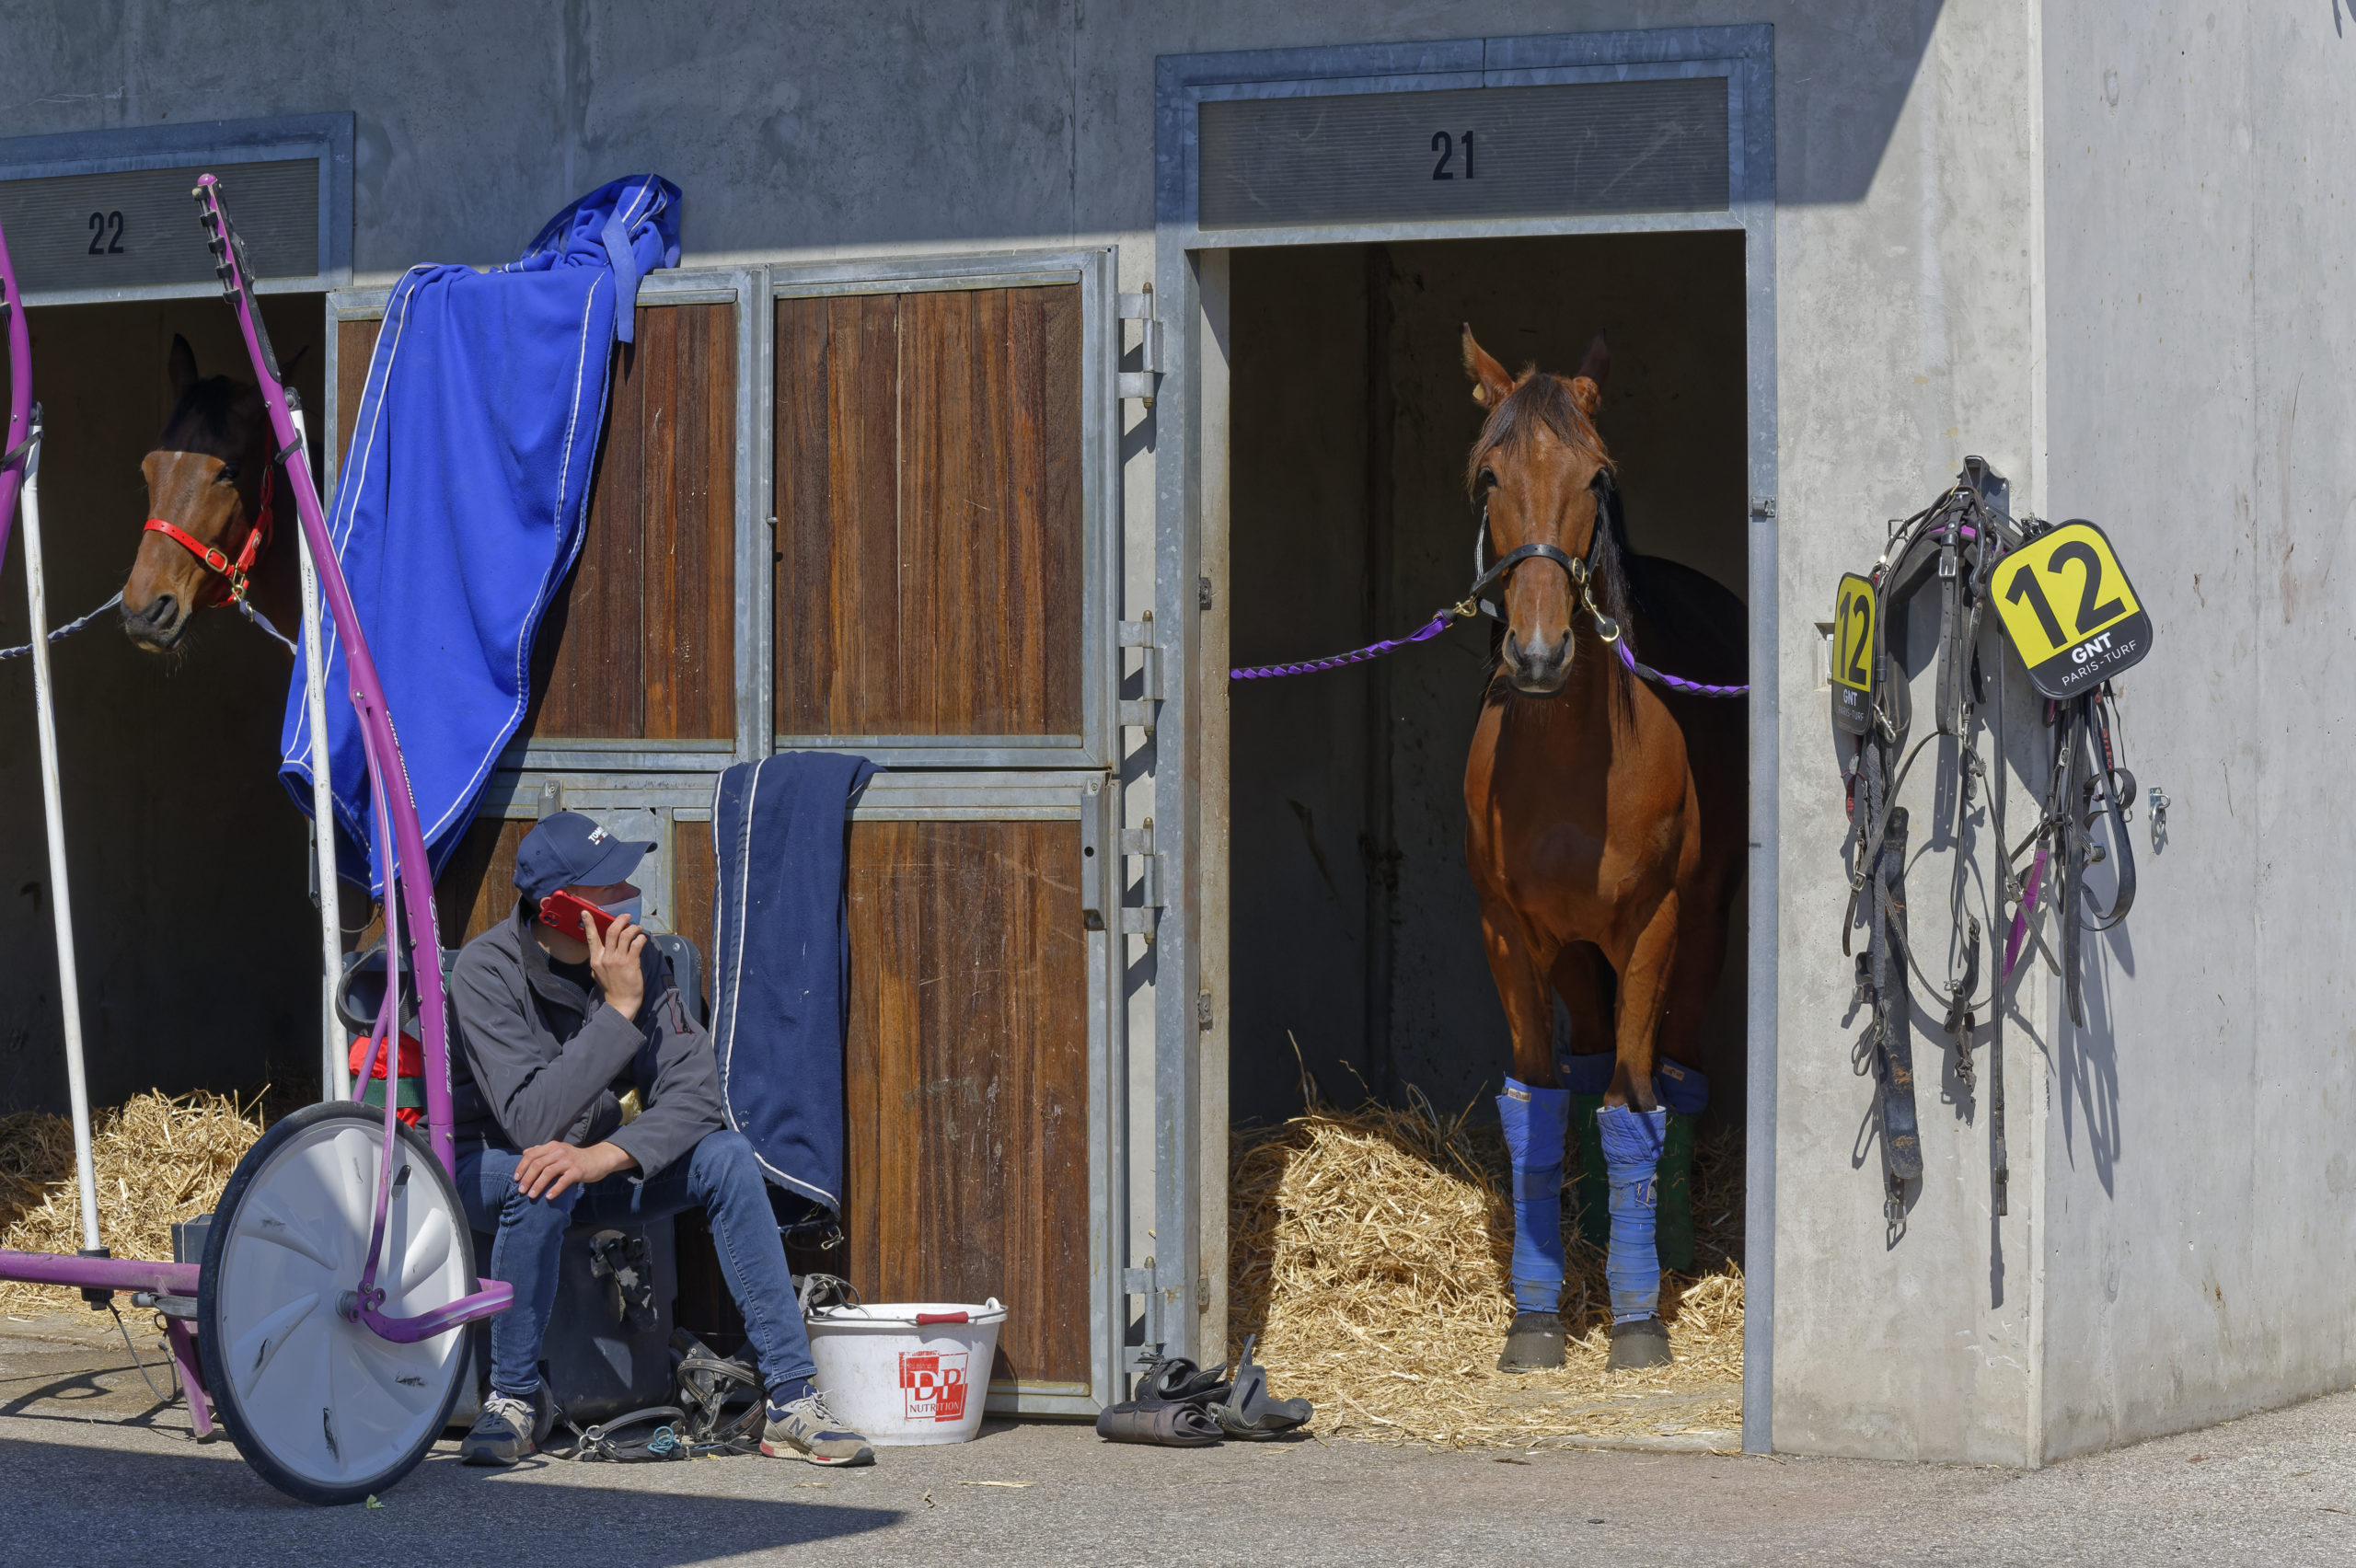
(1968, 546)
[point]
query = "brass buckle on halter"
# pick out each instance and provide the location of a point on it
(237, 578)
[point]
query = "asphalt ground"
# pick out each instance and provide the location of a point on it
(92, 1470)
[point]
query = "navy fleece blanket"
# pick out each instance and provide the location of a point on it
(780, 963)
(458, 510)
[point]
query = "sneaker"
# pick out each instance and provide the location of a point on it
(506, 1431)
(805, 1429)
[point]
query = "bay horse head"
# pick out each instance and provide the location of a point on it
(204, 481)
(1541, 475)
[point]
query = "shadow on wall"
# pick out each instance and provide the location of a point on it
(193, 926)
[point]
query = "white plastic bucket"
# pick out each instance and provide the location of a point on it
(906, 1373)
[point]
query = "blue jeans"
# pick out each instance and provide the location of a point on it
(719, 1176)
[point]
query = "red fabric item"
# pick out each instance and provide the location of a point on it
(412, 1059)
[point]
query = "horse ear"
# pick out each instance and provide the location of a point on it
(1490, 381)
(1587, 386)
(182, 365)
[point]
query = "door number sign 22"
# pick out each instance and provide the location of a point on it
(2070, 611)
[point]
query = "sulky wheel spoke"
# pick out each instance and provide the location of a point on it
(260, 1345)
(421, 1254)
(410, 1385)
(265, 1217)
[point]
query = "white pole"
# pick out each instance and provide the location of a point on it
(69, 985)
(334, 1080)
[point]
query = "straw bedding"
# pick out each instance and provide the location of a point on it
(1370, 1250)
(158, 1159)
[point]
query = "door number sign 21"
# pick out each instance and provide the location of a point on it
(2070, 611)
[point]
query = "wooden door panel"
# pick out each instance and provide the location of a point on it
(477, 889)
(966, 1079)
(641, 640)
(693, 873)
(929, 555)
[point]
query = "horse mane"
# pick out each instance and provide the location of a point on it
(1543, 401)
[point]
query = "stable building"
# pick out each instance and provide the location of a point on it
(1028, 369)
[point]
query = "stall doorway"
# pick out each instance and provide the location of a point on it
(198, 943)
(1355, 929)
(1354, 946)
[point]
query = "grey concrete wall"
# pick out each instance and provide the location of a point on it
(2200, 1249)
(197, 940)
(1356, 929)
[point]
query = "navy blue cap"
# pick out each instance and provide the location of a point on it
(569, 850)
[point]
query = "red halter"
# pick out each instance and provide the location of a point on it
(257, 540)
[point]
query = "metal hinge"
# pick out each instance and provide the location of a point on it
(1202, 1009)
(1141, 382)
(1139, 712)
(1140, 918)
(1763, 506)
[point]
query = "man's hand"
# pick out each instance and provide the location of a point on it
(614, 960)
(549, 1169)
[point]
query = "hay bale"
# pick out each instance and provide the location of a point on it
(1370, 1250)
(157, 1160)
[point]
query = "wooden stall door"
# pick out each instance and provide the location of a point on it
(966, 1079)
(640, 642)
(929, 486)
(930, 569)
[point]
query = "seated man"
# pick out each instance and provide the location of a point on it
(559, 1025)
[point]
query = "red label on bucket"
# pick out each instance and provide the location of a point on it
(932, 1384)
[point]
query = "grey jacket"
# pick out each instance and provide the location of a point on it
(545, 1062)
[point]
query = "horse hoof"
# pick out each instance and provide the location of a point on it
(1636, 1346)
(1534, 1343)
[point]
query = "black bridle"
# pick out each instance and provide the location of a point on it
(1580, 571)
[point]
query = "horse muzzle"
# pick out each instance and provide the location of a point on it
(1537, 671)
(158, 625)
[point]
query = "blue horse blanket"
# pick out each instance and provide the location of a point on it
(780, 966)
(459, 508)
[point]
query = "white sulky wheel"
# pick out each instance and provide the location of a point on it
(319, 1406)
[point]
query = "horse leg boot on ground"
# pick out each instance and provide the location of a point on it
(1632, 1128)
(1535, 1113)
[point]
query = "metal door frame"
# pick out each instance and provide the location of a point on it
(1187, 993)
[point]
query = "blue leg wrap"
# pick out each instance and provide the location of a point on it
(1535, 1120)
(1586, 1075)
(1683, 1089)
(1632, 1142)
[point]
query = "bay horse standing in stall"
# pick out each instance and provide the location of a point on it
(1606, 836)
(211, 496)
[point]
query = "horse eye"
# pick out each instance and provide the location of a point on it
(228, 474)
(1488, 480)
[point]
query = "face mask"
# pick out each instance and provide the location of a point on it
(634, 908)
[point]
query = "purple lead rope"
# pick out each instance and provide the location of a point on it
(1431, 629)
(1440, 623)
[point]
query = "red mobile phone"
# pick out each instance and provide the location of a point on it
(563, 911)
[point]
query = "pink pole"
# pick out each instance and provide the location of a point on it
(412, 879)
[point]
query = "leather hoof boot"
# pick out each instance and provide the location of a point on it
(1534, 1343)
(1636, 1346)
